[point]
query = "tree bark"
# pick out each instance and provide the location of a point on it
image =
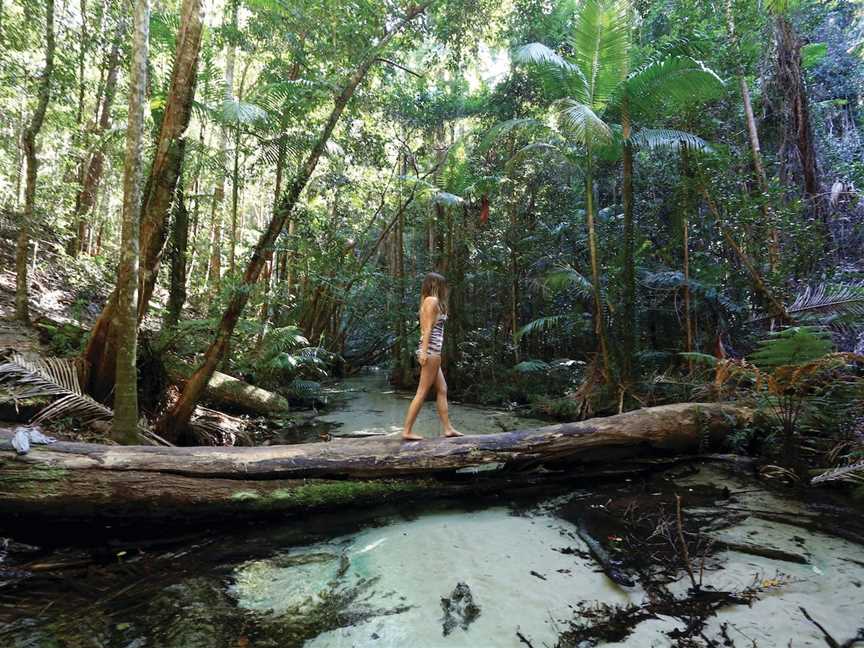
(147, 481)
(179, 247)
(125, 426)
(628, 264)
(177, 418)
(22, 306)
(168, 159)
(599, 318)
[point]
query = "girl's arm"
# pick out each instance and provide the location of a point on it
(428, 315)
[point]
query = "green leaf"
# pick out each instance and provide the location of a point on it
(812, 54)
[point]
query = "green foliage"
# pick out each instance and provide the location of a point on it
(793, 346)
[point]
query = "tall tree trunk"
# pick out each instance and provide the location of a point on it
(124, 428)
(178, 252)
(599, 319)
(177, 418)
(92, 165)
(628, 263)
(215, 274)
(159, 191)
(22, 306)
(168, 159)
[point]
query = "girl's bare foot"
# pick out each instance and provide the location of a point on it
(453, 433)
(410, 436)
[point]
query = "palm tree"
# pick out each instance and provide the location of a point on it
(596, 81)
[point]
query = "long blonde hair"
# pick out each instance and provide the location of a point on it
(435, 285)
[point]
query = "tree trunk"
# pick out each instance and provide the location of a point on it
(101, 351)
(177, 418)
(179, 247)
(599, 319)
(628, 263)
(797, 151)
(22, 306)
(144, 482)
(775, 307)
(92, 165)
(168, 159)
(215, 273)
(125, 426)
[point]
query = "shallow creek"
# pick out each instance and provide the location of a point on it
(377, 578)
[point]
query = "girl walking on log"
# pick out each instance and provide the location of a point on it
(433, 314)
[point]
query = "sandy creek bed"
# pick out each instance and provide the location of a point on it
(376, 579)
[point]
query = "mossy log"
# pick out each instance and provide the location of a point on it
(79, 480)
(226, 392)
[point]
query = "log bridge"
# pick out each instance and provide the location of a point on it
(78, 482)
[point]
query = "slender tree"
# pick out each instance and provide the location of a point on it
(125, 424)
(28, 140)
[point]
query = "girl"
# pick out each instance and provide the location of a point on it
(433, 313)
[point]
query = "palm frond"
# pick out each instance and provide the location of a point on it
(506, 127)
(540, 54)
(586, 125)
(236, 112)
(540, 324)
(601, 48)
(836, 305)
(843, 472)
(30, 376)
(656, 138)
(567, 277)
(677, 80)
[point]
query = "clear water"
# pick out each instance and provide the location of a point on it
(376, 579)
(370, 406)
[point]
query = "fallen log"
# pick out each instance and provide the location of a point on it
(228, 392)
(77, 480)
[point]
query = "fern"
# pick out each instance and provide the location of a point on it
(793, 346)
(531, 366)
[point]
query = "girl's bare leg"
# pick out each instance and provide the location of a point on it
(428, 374)
(441, 403)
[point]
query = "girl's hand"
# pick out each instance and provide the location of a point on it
(422, 358)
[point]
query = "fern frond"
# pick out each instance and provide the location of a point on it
(531, 366)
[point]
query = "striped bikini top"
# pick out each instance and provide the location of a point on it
(436, 336)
